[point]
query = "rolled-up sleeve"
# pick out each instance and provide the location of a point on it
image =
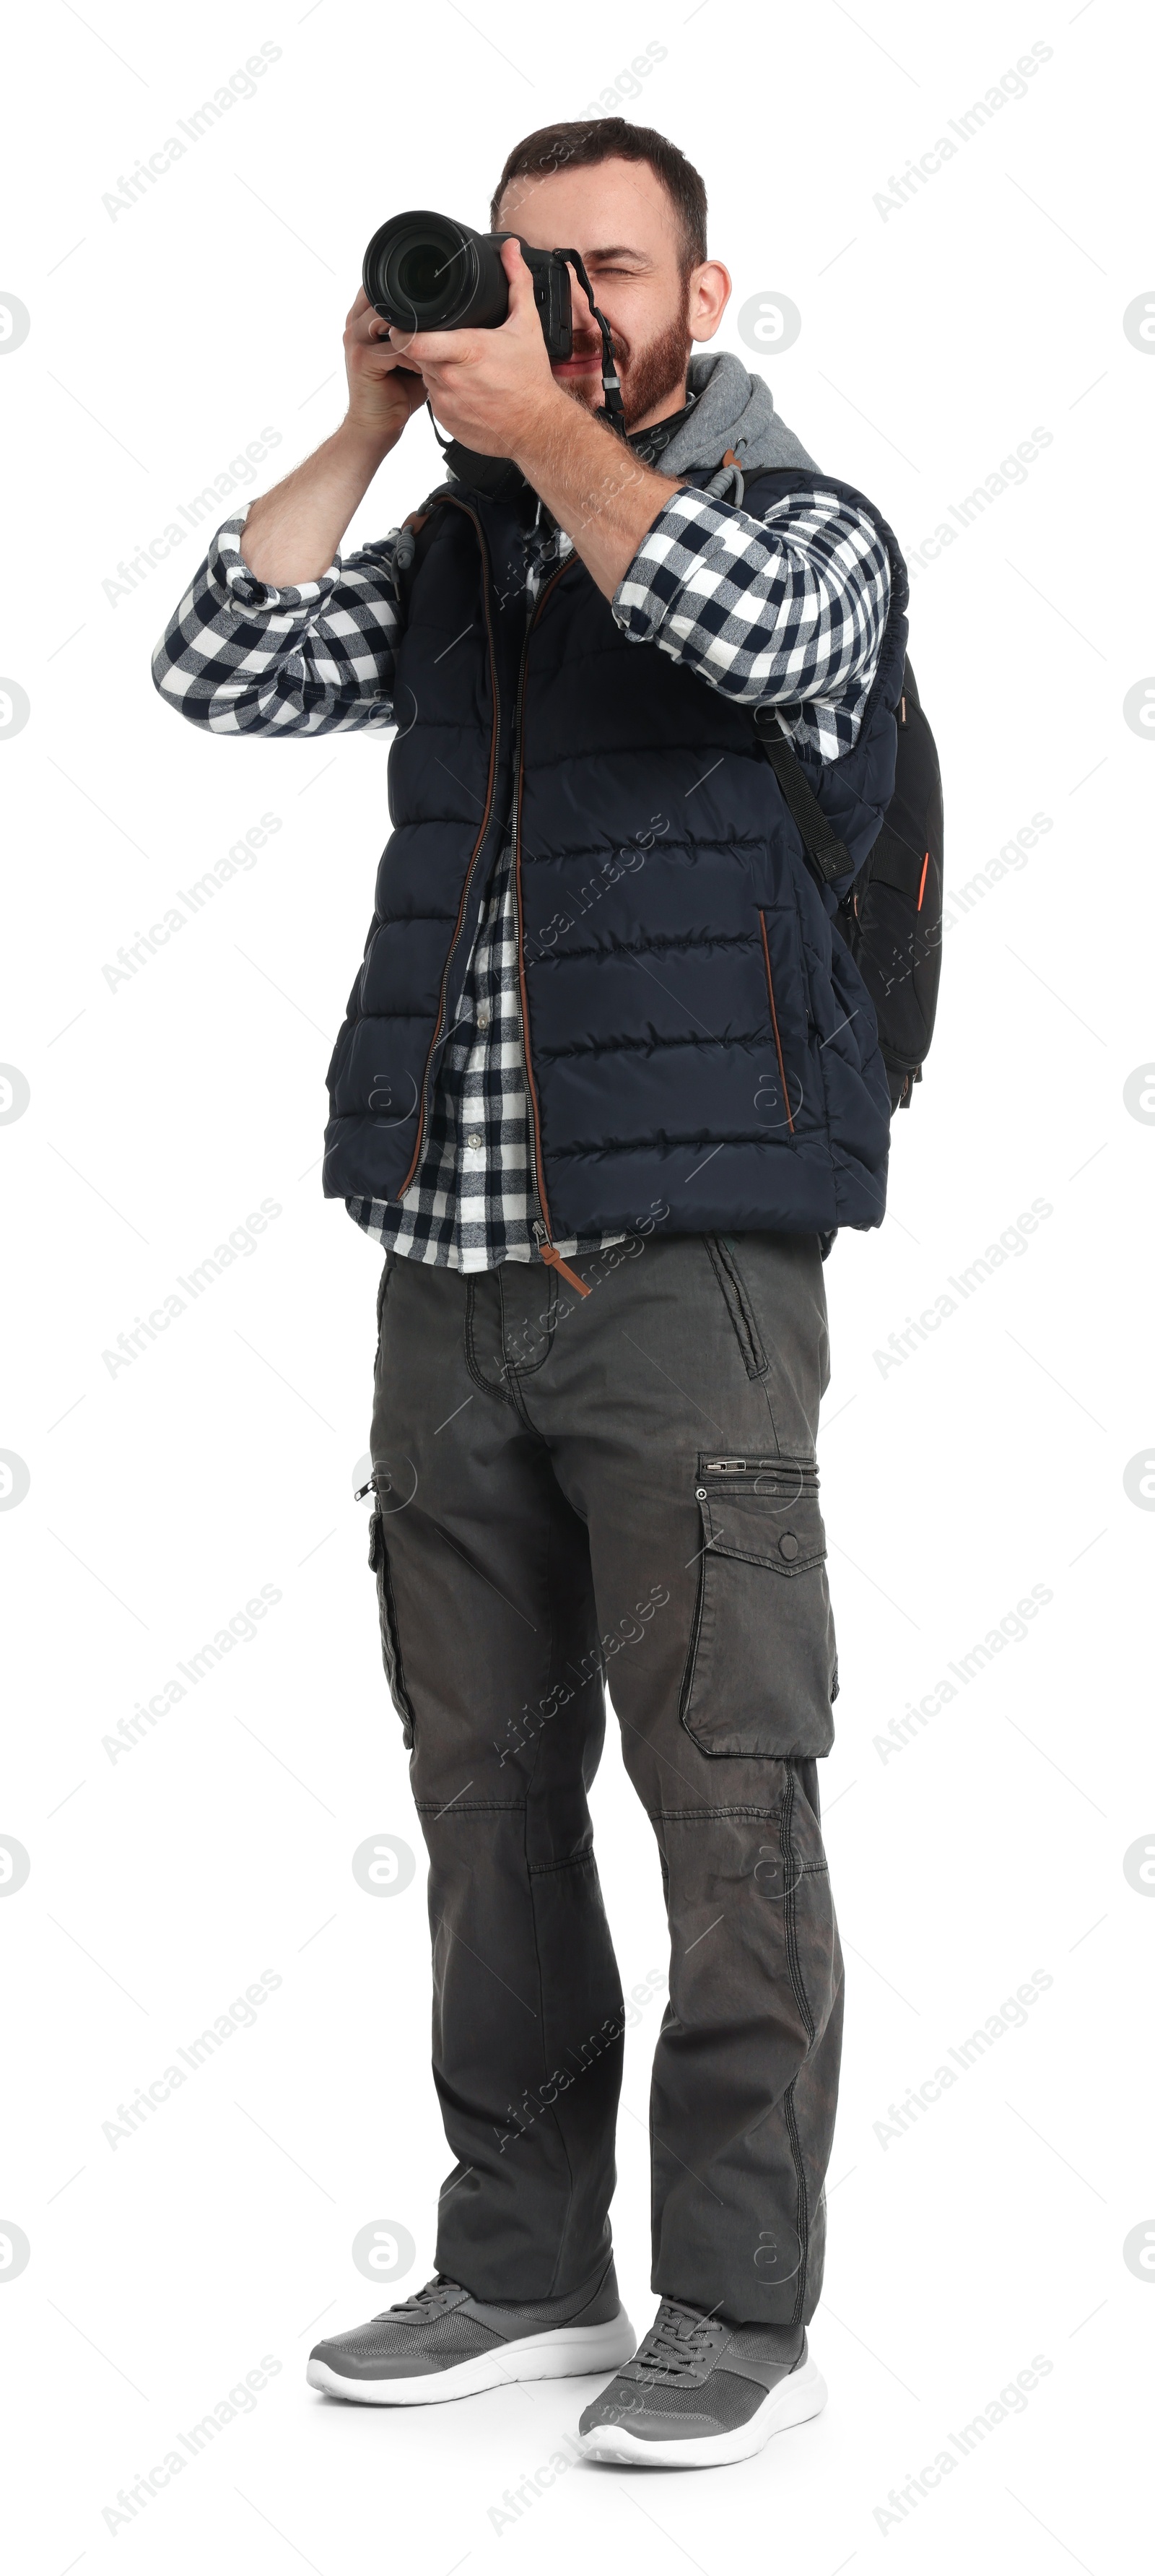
(787, 610)
(239, 656)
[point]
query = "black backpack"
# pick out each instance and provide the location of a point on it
(892, 918)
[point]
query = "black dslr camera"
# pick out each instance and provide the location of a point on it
(423, 272)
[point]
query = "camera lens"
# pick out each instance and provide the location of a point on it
(424, 272)
(420, 271)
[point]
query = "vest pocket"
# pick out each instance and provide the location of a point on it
(780, 1091)
(760, 1673)
(390, 1642)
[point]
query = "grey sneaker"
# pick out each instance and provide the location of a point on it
(444, 2343)
(699, 2393)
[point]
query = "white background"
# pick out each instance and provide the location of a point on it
(992, 1459)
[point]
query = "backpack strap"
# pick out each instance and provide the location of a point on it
(827, 858)
(411, 545)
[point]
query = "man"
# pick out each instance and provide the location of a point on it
(608, 1084)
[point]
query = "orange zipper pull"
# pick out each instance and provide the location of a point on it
(555, 1261)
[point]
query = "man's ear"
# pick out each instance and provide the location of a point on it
(710, 289)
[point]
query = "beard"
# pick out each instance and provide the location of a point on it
(649, 373)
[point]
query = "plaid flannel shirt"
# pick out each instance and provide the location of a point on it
(787, 610)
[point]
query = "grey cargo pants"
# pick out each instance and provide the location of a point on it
(619, 1489)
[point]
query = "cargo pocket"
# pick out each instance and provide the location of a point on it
(761, 1670)
(390, 1645)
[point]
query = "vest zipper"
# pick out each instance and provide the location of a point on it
(549, 1252)
(475, 853)
(540, 1226)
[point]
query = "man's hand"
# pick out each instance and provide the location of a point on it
(494, 390)
(292, 533)
(385, 384)
(488, 388)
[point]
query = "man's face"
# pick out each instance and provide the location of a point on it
(620, 218)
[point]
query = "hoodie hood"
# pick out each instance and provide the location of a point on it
(728, 408)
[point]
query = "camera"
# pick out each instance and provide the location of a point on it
(423, 272)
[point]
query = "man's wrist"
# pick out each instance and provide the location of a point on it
(555, 422)
(366, 442)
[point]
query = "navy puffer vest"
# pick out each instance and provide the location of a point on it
(697, 1037)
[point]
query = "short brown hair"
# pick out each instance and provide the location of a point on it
(582, 144)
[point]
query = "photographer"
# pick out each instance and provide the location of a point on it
(608, 1085)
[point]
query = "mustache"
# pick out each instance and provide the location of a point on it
(588, 344)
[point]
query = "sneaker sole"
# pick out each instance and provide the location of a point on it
(794, 2401)
(562, 2352)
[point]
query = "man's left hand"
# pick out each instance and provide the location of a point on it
(488, 388)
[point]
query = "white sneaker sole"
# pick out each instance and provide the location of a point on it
(794, 2401)
(562, 2352)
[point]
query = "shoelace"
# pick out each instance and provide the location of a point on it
(676, 2343)
(423, 2304)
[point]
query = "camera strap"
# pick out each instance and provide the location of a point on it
(611, 387)
(495, 476)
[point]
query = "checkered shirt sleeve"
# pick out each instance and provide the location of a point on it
(787, 610)
(239, 656)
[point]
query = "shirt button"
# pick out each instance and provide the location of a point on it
(788, 1544)
(483, 1019)
(474, 1140)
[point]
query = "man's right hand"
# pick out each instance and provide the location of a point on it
(385, 387)
(292, 533)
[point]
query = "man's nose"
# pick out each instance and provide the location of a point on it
(582, 316)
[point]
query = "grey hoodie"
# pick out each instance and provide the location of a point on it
(730, 409)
